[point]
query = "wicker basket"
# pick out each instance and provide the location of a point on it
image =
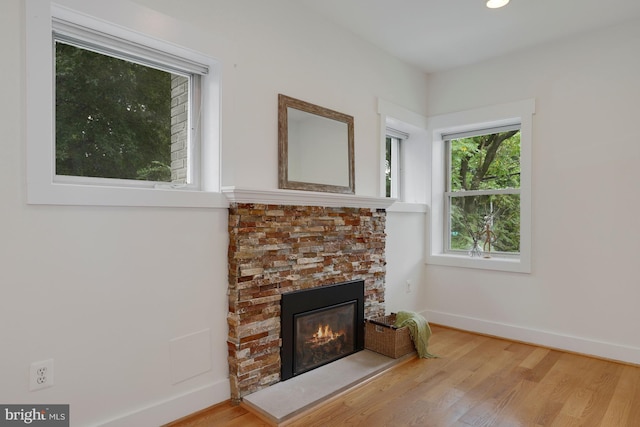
(382, 337)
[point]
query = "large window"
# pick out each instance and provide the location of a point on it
(132, 120)
(122, 117)
(481, 188)
(482, 201)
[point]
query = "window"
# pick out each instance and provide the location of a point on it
(121, 115)
(403, 155)
(482, 201)
(481, 188)
(393, 164)
(132, 120)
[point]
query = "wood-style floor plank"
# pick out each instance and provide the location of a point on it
(477, 381)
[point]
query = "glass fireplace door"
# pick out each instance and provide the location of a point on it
(324, 335)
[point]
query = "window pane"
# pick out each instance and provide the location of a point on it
(115, 118)
(387, 168)
(484, 219)
(485, 162)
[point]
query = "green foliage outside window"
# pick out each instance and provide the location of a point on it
(388, 167)
(113, 117)
(485, 162)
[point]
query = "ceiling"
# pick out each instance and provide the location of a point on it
(437, 35)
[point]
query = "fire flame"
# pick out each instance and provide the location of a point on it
(325, 334)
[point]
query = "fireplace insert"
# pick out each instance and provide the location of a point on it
(321, 325)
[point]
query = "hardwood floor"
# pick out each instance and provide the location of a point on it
(478, 381)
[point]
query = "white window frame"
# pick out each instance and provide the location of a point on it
(43, 187)
(519, 112)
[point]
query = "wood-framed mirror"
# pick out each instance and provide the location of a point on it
(315, 148)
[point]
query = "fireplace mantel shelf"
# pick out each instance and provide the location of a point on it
(304, 198)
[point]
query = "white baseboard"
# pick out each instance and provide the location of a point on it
(175, 408)
(581, 345)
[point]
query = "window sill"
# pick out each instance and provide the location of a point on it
(88, 195)
(514, 265)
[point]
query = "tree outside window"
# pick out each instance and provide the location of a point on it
(483, 195)
(118, 119)
(392, 167)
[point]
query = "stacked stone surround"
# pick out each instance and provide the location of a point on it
(274, 249)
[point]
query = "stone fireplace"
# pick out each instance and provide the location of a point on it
(276, 249)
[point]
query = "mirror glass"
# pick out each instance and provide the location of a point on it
(315, 147)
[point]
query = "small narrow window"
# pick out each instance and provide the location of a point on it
(393, 164)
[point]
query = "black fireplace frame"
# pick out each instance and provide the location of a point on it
(305, 300)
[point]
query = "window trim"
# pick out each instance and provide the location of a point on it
(42, 187)
(519, 112)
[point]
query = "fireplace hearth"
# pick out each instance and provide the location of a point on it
(321, 325)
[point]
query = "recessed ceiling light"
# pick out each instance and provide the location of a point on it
(494, 4)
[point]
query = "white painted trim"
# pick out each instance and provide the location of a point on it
(86, 195)
(513, 265)
(304, 198)
(390, 109)
(175, 408)
(581, 345)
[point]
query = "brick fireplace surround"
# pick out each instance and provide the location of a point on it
(274, 249)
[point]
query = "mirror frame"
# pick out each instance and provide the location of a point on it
(285, 102)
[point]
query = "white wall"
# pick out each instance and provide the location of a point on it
(97, 289)
(277, 47)
(406, 220)
(405, 275)
(583, 291)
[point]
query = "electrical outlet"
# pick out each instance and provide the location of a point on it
(41, 375)
(408, 287)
